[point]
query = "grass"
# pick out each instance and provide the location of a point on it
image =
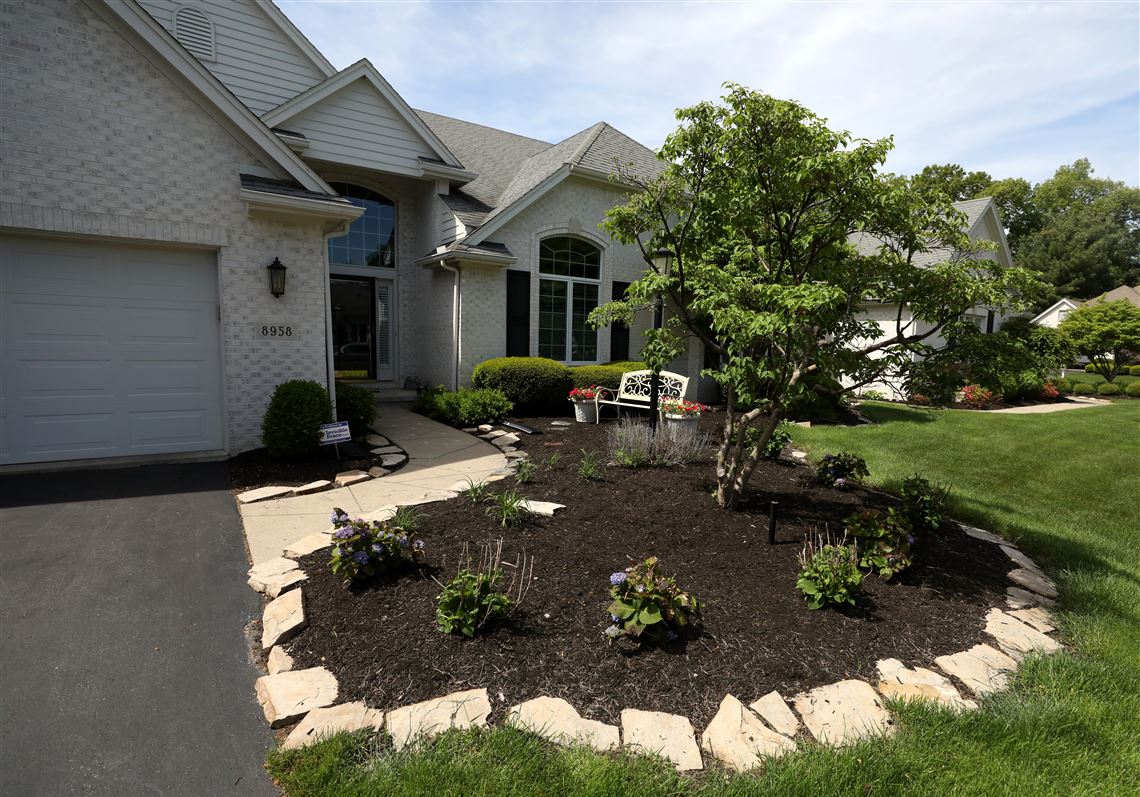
(1095, 379)
(1064, 485)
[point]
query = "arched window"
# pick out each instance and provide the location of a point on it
(569, 275)
(371, 240)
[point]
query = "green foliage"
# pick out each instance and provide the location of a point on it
(590, 467)
(407, 518)
(760, 256)
(1106, 332)
(882, 540)
(781, 437)
(829, 574)
(551, 462)
(291, 425)
(1083, 389)
(923, 502)
(1090, 368)
(1061, 383)
(873, 395)
(355, 405)
(463, 407)
(952, 181)
(1132, 389)
(525, 471)
(534, 385)
(477, 492)
(632, 444)
(1108, 389)
(646, 605)
(841, 470)
(607, 375)
(506, 507)
(1134, 370)
(362, 549)
(479, 594)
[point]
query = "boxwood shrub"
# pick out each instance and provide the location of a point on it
(1108, 389)
(1090, 369)
(533, 384)
(1134, 370)
(291, 424)
(463, 407)
(604, 375)
(1062, 384)
(355, 405)
(1132, 389)
(1083, 389)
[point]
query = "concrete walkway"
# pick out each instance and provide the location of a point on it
(1076, 403)
(439, 457)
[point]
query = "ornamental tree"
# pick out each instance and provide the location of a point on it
(1108, 333)
(783, 231)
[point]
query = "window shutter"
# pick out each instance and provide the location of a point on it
(989, 321)
(619, 333)
(518, 313)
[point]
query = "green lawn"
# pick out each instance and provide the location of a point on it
(1065, 486)
(1095, 379)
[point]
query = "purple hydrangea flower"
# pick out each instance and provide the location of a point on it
(402, 539)
(377, 548)
(618, 578)
(615, 618)
(910, 539)
(343, 534)
(840, 482)
(360, 557)
(418, 545)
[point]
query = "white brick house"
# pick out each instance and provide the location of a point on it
(156, 156)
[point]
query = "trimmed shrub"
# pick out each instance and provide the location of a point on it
(606, 375)
(1090, 369)
(291, 426)
(1108, 389)
(1133, 389)
(532, 384)
(1061, 383)
(1134, 370)
(355, 405)
(1083, 389)
(463, 407)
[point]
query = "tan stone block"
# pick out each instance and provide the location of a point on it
(312, 487)
(1015, 637)
(1033, 581)
(351, 477)
(774, 710)
(322, 723)
(309, 544)
(555, 719)
(982, 668)
(1037, 617)
(739, 739)
(668, 735)
(278, 661)
(844, 712)
(286, 696)
(896, 680)
(284, 616)
(263, 494)
(431, 717)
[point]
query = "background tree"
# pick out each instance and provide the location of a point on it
(953, 181)
(759, 203)
(1108, 333)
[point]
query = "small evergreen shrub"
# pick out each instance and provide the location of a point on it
(842, 470)
(1108, 389)
(882, 540)
(648, 606)
(1134, 370)
(923, 502)
(1132, 389)
(291, 426)
(534, 385)
(479, 594)
(1090, 369)
(362, 549)
(829, 574)
(607, 375)
(355, 405)
(1083, 389)
(463, 407)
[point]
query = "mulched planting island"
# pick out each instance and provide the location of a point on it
(381, 640)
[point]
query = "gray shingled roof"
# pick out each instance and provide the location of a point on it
(868, 244)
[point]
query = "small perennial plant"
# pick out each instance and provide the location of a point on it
(479, 594)
(829, 573)
(882, 540)
(650, 606)
(362, 549)
(842, 470)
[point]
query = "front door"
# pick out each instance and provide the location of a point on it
(362, 328)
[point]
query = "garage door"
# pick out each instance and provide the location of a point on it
(108, 351)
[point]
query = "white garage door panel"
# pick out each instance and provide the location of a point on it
(108, 351)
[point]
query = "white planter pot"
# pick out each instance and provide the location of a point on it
(680, 422)
(585, 412)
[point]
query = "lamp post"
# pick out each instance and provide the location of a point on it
(662, 260)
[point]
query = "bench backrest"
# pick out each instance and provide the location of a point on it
(635, 385)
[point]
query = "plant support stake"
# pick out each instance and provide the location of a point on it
(772, 521)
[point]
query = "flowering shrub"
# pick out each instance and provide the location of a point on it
(975, 397)
(882, 540)
(584, 393)
(673, 406)
(650, 606)
(1050, 392)
(922, 502)
(841, 470)
(362, 548)
(920, 399)
(829, 574)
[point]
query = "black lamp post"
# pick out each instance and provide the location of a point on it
(662, 260)
(277, 278)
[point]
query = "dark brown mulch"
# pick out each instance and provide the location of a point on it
(382, 644)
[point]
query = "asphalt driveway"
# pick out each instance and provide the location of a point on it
(124, 666)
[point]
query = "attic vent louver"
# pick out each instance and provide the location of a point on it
(195, 32)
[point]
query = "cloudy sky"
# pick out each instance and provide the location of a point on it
(1013, 88)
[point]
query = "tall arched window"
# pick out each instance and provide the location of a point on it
(371, 240)
(570, 272)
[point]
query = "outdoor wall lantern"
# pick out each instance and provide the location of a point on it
(663, 261)
(277, 278)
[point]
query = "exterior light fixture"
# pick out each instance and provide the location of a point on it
(663, 261)
(277, 278)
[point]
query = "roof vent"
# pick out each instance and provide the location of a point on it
(195, 32)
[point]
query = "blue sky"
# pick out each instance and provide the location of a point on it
(1013, 88)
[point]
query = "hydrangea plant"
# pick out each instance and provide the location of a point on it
(923, 502)
(842, 470)
(647, 605)
(882, 539)
(829, 574)
(363, 548)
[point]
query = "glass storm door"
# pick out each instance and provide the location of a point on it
(353, 322)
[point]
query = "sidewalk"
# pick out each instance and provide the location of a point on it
(439, 457)
(1075, 403)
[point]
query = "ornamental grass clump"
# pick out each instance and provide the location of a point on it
(362, 549)
(480, 594)
(882, 540)
(923, 502)
(632, 444)
(829, 573)
(648, 606)
(842, 470)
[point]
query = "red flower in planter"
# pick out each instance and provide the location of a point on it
(584, 393)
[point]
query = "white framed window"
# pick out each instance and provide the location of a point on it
(569, 280)
(977, 320)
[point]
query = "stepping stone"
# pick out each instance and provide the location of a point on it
(739, 739)
(493, 434)
(309, 544)
(1019, 558)
(387, 450)
(1018, 598)
(377, 440)
(895, 680)
(379, 515)
(378, 473)
(981, 668)
(485, 427)
(392, 460)
(774, 711)
(844, 712)
(262, 575)
(284, 616)
(666, 735)
(278, 661)
(800, 455)
(459, 487)
(554, 719)
(287, 696)
(544, 508)
(312, 487)
(516, 455)
(262, 494)
(982, 534)
(560, 424)
(431, 497)
(471, 429)
(506, 441)
(468, 709)
(322, 723)
(1035, 581)
(351, 477)
(1036, 617)
(275, 585)
(1015, 637)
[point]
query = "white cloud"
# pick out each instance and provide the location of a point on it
(951, 81)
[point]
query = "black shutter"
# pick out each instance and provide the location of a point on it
(989, 321)
(518, 313)
(619, 333)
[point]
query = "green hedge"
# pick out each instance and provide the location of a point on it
(291, 426)
(1108, 389)
(463, 407)
(604, 375)
(1133, 389)
(1083, 389)
(1090, 369)
(1134, 370)
(535, 385)
(355, 405)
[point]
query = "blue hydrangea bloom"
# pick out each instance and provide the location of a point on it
(418, 545)
(360, 557)
(618, 578)
(377, 548)
(342, 534)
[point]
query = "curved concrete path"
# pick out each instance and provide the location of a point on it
(439, 457)
(1074, 403)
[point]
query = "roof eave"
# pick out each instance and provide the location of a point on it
(479, 234)
(465, 256)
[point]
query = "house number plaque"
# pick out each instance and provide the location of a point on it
(265, 330)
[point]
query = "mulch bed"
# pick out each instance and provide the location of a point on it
(382, 644)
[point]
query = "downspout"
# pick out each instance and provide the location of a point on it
(330, 369)
(455, 320)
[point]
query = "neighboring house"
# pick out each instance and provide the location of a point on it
(1053, 315)
(157, 156)
(983, 223)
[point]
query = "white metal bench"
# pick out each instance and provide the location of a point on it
(633, 392)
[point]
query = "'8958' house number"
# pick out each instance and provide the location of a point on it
(273, 330)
